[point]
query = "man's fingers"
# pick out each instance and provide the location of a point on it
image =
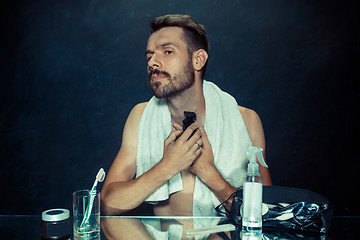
(198, 152)
(173, 136)
(177, 127)
(199, 143)
(189, 132)
(204, 138)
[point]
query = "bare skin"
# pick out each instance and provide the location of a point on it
(166, 51)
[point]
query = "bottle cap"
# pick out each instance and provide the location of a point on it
(54, 215)
(252, 154)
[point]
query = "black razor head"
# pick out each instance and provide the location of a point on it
(190, 118)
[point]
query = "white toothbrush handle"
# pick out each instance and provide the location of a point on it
(90, 205)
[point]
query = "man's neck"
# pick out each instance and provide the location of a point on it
(192, 100)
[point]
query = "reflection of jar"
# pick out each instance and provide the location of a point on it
(55, 224)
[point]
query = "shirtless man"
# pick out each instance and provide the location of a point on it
(176, 66)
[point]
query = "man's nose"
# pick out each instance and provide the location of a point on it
(154, 62)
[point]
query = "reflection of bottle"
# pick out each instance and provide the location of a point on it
(252, 195)
(250, 237)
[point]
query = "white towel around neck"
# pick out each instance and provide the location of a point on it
(227, 135)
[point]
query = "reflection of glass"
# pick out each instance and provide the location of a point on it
(91, 230)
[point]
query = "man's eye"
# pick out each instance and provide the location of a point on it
(168, 52)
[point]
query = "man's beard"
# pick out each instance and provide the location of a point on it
(176, 84)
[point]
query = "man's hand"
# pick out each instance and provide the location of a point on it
(182, 148)
(204, 164)
(204, 168)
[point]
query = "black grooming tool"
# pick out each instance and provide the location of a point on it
(190, 118)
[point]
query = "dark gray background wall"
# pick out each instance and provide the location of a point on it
(72, 70)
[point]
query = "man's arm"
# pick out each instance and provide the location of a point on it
(205, 169)
(115, 195)
(257, 136)
(122, 191)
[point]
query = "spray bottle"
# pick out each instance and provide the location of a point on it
(252, 194)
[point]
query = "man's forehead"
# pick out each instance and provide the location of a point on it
(165, 36)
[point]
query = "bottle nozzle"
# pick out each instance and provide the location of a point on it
(253, 153)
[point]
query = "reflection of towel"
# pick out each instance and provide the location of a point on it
(177, 231)
(153, 226)
(227, 135)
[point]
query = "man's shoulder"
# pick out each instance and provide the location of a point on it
(248, 113)
(135, 115)
(253, 125)
(138, 109)
(251, 118)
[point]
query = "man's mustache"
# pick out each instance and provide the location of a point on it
(158, 72)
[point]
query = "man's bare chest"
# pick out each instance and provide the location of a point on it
(181, 202)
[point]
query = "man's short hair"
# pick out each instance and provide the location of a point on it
(194, 33)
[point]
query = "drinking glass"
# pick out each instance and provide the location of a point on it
(86, 214)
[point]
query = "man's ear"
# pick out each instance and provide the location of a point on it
(199, 59)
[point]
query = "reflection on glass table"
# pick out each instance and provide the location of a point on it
(29, 227)
(160, 227)
(177, 228)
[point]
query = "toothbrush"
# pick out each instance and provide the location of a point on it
(100, 176)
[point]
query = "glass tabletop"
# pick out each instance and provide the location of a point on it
(128, 227)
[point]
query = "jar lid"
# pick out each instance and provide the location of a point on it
(53, 215)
